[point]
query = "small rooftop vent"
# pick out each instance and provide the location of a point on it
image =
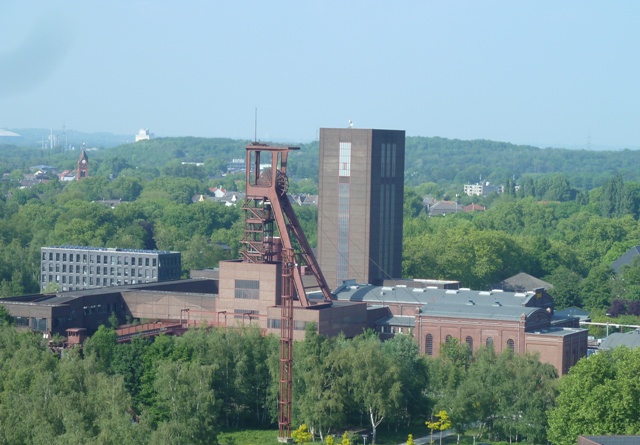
(470, 303)
(497, 290)
(401, 285)
(519, 294)
(484, 292)
(497, 303)
(419, 289)
(432, 287)
(386, 288)
(452, 291)
(465, 288)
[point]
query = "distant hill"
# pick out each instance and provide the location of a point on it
(447, 162)
(39, 137)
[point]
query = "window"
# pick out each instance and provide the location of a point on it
(247, 289)
(50, 256)
(428, 342)
(57, 256)
(64, 257)
(511, 344)
(155, 262)
(146, 261)
(469, 341)
(139, 261)
(246, 314)
(489, 342)
(98, 259)
(448, 339)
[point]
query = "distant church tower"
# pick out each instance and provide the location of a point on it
(83, 166)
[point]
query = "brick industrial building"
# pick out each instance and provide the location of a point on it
(365, 206)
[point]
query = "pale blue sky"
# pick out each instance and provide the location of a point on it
(548, 73)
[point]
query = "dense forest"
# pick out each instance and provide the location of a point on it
(192, 389)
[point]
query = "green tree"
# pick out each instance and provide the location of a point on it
(598, 397)
(100, 348)
(373, 378)
(566, 291)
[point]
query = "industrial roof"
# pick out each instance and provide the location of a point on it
(614, 440)
(447, 302)
(630, 340)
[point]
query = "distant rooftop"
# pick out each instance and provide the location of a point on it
(108, 249)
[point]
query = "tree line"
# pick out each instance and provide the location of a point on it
(188, 389)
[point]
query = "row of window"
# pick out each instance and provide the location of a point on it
(469, 340)
(275, 323)
(109, 259)
(97, 270)
(106, 281)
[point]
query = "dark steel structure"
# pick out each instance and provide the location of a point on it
(267, 204)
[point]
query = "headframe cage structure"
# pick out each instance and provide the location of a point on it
(267, 208)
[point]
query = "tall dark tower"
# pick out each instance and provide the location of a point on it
(83, 166)
(361, 193)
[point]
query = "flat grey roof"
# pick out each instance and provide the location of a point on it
(398, 320)
(630, 340)
(458, 303)
(557, 332)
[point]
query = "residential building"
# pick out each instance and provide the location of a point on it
(360, 204)
(80, 267)
(481, 189)
(143, 135)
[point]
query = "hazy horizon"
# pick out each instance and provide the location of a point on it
(543, 73)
